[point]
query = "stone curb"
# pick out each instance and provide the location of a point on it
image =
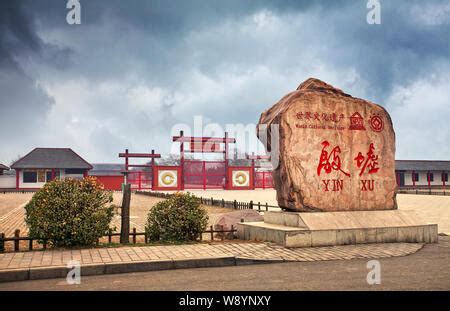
(55, 272)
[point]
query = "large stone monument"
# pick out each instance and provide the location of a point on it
(335, 174)
(336, 152)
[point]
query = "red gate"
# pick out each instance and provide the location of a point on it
(204, 174)
(198, 174)
(139, 175)
(140, 180)
(263, 180)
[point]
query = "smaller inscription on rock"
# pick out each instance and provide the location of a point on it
(336, 152)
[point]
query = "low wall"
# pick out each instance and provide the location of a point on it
(111, 182)
(7, 182)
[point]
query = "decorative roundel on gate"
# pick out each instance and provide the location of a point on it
(376, 123)
(168, 178)
(241, 178)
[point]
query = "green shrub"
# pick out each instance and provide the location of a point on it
(178, 218)
(69, 212)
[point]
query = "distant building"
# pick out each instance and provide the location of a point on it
(42, 165)
(7, 178)
(109, 174)
(422, 173)
(3, 168)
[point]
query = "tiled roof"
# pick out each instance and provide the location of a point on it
(51, 158)
(3, 167)
(107, 169)
(422, 165)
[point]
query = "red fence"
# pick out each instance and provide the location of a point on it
(204, 174)
(140, 180)
(263, 180)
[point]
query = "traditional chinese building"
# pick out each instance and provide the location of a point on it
(7, 179)
(3, 168)
(109, 174)
(42, 165)
(422, 174)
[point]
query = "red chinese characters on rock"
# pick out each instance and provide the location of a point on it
(317, 116)
(369, 163)
(330, 161)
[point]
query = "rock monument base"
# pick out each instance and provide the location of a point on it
(293, 229)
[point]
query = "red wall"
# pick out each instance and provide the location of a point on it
(111, 182)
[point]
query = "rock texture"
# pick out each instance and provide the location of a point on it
(336, 152)
(225, 221)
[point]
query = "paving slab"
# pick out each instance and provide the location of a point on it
(32, 266)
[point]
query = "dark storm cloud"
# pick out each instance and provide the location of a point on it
(21, 99)
(133, 69)
(24, 103)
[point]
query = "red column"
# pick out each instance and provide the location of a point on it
(126, 167)
(17, 179)
(443, 179)
(85, 174)
(226, 160)
(253, 171)
(139, 180)
(181, 161)
(204, 175)
(428, 179)
(53, 174)
(414, 178)
(153, 167)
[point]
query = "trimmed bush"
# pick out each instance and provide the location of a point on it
(70, 212)
(178, 218)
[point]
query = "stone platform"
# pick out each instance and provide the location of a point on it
(292, 229)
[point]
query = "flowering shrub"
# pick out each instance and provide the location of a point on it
(69, 212)
(178, 218)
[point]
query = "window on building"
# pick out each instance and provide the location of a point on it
(431, 176)
(445, 177)
(29, 177)
(72, 171)
(49, 176)
(416, 177)
(41, 176)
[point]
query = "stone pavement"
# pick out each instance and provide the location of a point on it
(52, 263)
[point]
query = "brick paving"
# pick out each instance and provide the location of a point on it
(14, 217)
(253, 251)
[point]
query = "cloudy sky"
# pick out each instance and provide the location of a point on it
(134, 70)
